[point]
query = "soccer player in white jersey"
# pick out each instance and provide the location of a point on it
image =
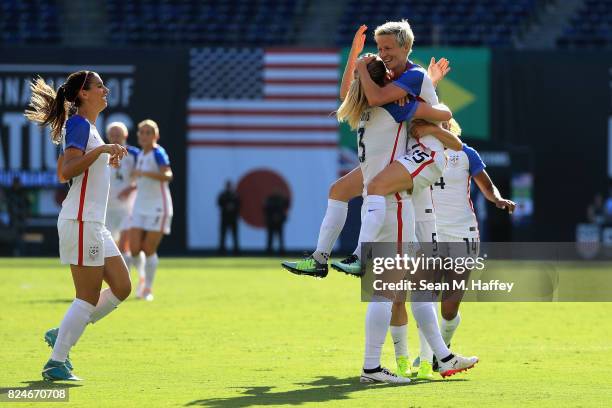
(84, 242)
(394, 42)
(457, 228)
(122, 195)
(152, 214)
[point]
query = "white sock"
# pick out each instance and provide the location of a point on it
(138, 261)
(331, 227)
(372, 221)
(150, 270)
(425, 353)
(400, 340)
(448, 327)
(127, 257)
(106, 304)
(427, 319)
(71, 328)
(378, 317)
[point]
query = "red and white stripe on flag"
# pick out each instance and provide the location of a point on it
(290, 130)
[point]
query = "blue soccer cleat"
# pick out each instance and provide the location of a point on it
(57, 371)
(51, 338)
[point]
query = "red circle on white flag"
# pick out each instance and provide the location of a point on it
(254, 188)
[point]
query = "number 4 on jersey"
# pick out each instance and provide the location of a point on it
(440, 184)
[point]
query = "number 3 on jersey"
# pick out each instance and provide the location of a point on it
(361, 147)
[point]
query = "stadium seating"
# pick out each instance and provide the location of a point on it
(492, 23)
(195, 22)
(590, 27)
(29, 22)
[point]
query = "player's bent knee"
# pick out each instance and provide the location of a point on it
(122, 291)
(337, 191)
(449, 310)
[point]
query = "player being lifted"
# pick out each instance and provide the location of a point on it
(152, 214)
(84, 242)
(122, 195)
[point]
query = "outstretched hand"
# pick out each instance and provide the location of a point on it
(438, 70)
(359, 40)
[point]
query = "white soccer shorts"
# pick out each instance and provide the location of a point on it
(450, 246)
(117, 220)
(157, 223)
(85, 243)
(424, 166)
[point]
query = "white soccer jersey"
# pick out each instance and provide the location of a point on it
(451, 194)
(152, 196)
(381, 138)
(88, 194)
(120, 179)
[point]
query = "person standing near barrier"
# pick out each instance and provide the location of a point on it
(229, 203)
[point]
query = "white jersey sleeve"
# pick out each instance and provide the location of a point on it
(88, 194)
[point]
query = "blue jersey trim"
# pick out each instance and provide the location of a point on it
(402, 113)
(411, 81)
(161, 157)
(77, 133)
(134, 151)
(476, 163)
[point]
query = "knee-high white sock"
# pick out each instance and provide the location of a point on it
(106, 304)
(331, 227)
(448, 327)
(378, 317)
(150, 270)
(425, 315)
(372, 221)
(425, 353)
(138, 261)
(127, 257)
(71, 328)
(400, 340)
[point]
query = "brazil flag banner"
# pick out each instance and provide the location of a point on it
(465, 89)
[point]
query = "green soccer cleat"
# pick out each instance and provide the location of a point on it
(403, 366)
(351, 266)
(51, 338)
(57, 371)
(307, 266)
(425, 371)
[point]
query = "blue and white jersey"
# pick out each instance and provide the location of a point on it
(88, 194)
(121, 178)
(417, 84)
(382, 137)
(451, 194)
(152, 196)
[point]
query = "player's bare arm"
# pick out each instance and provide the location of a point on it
(60, 164)
(422, 128)
(376, 95)
(491, 193)
(349, 70)
(164, 174)
(76, 161)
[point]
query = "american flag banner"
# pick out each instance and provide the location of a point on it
(262, 119)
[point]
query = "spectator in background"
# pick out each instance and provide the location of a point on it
(607, 207)
(275, 213)
(229, 203)
(595, 211)
(18, 206)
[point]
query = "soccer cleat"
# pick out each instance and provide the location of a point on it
(307, 266)
(57, 371)
(425, 371)
(403, 366)
(51, 338)
(350, 265)
(382, 375)
(456, 365)
(147, 295)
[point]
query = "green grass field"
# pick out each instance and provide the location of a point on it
(244, 332)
